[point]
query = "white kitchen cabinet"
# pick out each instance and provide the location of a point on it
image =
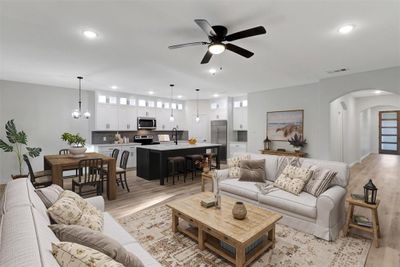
(107, 117)
(240, 118)
(107, 150)
(179, 122)
(219, 109)
(127, 118)
(162, 117)
(146, 112)
(237, 147)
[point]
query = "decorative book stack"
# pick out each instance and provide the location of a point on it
(207, 203)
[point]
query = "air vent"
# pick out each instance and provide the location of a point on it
(337, 71)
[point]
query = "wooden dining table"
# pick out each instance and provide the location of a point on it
(60, 163)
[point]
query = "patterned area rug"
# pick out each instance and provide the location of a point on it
(152, 228)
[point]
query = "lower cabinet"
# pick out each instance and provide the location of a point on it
(238, 147)
(107, 150)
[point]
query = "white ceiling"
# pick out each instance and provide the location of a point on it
(41, 42)
(368, 93)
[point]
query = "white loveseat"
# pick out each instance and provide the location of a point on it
(25, 238)
(323, 216)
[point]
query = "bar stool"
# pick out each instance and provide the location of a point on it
(192, 163)
(210, 157)
(176, 165)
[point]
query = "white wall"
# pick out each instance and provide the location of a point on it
(199, 130)
(315, 99)
(44, 113)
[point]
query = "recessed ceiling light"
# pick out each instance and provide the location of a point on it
(151, 93)
(215, 95)
(179, 96)
(378, 92)
(212, 71)
(345, 29)
(89, 34)
(114, 87)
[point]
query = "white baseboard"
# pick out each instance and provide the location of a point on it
(353, 163)
(366, 155)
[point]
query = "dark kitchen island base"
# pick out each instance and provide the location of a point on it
(152, 161)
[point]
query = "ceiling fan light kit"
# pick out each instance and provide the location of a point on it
(217, 35)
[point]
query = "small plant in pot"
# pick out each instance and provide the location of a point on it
(77, 143)
(18, 142)
(298, 142)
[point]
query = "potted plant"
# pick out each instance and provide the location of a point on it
(18, 142)
(77, 143)
(297, 142)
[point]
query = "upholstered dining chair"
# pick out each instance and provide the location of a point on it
(91, 175)
(65, 151)
(40, 178)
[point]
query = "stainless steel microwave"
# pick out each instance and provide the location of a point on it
(146, 123)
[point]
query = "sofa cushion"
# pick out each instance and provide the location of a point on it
(114, 230)
(49, 194)
(319, 181)
(26, 239)
(243, 189)
(234, 164)
(65, 211)
(270, 164)
(304, 204)
(342, 169)
(252, 171)
(142, 254)
(98, 241)
(71, 254)
(293, 179)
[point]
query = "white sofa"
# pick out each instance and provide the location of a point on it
(323, 216)
(25, 238)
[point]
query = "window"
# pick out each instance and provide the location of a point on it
(141, 103)
(214, 105)
(123, 101)
(102, 99)
(166, 105)
(180, 106)
(113, 100)
(173, 105)
(388, 132)
(159, 104)
(150, 104)
(244, 103)
(132, 102)
(236, 104)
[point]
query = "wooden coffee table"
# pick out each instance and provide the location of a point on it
(211, 226)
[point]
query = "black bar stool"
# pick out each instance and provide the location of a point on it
(193, 163)
(176, 166)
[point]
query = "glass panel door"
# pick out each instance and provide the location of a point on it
(389, 125)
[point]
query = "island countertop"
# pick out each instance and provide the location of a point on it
(180, 145)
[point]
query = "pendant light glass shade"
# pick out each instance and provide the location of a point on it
(77, 113)
(197, 106)
(171, 118)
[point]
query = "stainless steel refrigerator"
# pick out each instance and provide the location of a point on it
(219, 135)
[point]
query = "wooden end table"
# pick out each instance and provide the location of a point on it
(211, 228)
(207, 176)
(375, 230)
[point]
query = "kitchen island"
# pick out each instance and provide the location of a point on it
(152, 160)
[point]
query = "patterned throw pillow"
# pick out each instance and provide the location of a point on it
(293, 179)
(49, 194)
(74, 255)
(319, 181)
(71, 208)
(234, 165)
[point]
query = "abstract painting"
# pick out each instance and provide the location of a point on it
(282, 125)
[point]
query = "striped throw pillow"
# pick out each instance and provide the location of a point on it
(319, 181)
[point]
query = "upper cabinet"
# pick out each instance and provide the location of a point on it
(219, 109)
(240, 115)
(107, 117)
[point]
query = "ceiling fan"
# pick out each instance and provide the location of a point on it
(217, 35)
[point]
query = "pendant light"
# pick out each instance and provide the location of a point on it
(77, 113)
(197, 106)
(171, 118)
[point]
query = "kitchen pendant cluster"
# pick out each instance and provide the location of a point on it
(171, 118)
(77, 113)
(197, 106)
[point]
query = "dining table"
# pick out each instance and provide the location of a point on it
(57, 164)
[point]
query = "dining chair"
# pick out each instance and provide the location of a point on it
(91, 175)
(40, 178)
(65, 151)
(121, 170)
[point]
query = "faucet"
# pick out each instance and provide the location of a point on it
(175, 132)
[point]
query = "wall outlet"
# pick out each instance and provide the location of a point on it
(104, 138)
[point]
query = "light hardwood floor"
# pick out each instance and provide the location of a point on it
(383, 169)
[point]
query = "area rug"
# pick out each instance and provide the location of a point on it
(152, 228)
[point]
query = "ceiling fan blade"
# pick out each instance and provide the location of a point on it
(206, 27)
(238, 50)
(246, 33)
(206, 58)
(186, 45)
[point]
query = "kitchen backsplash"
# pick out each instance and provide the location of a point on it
(107, 137)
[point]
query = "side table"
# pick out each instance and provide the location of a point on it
(204, 177)
(375, 230)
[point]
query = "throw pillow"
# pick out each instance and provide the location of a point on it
(252, 171)
(234, 165)
(95, 240)
(319, 181)
(284, 161)
(293, 179)
(71, 208)
(49, 194)
(75, 255)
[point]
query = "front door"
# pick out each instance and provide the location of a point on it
(389, 127)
